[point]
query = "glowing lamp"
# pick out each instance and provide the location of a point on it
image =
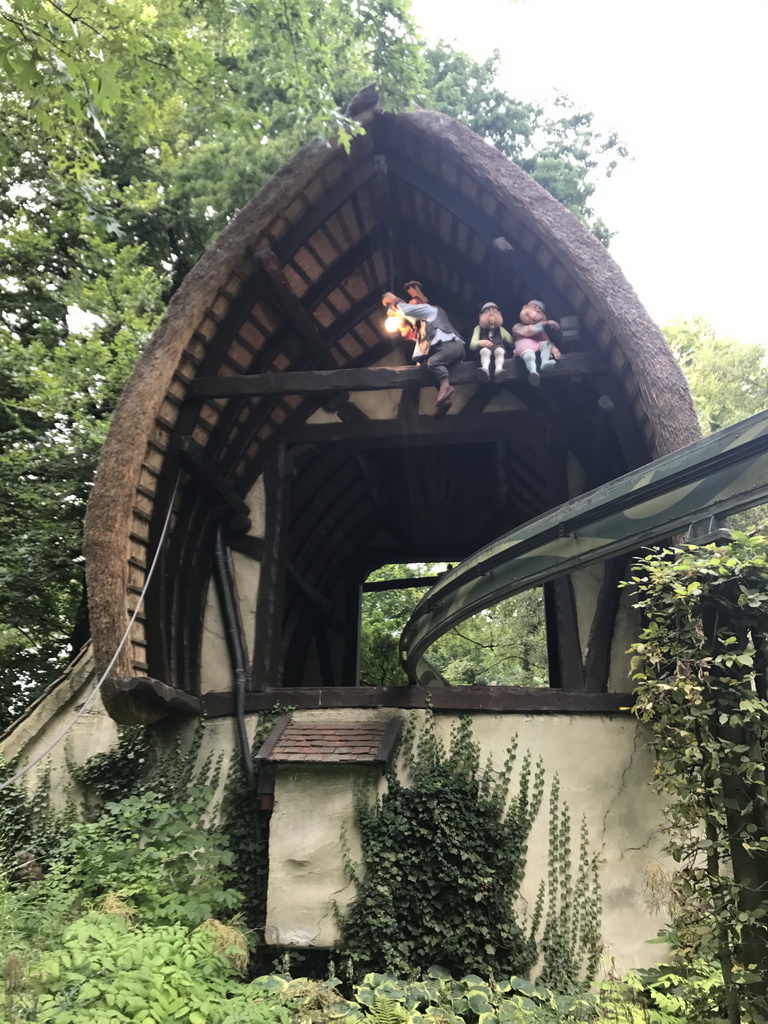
(393, 321)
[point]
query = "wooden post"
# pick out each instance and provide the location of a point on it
(267, 670)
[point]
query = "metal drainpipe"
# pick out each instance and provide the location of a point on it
(233, 624)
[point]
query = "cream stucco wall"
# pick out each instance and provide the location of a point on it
(49, 718)
(604, 768)
(307, 883)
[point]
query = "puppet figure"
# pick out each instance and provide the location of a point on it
(490, 339)
(437, 342)
(531, 337)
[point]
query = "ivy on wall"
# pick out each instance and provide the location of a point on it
(443, 860)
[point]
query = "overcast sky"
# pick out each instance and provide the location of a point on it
(685, 84)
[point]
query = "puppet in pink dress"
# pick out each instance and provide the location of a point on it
(531, 339)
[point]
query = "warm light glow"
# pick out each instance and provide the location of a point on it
(392, 323)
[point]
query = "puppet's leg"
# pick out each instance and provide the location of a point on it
(547, 362)
(499, 373)
(485, 361)
(448, 352)
(529, 358)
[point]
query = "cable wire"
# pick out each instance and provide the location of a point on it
(94, 692)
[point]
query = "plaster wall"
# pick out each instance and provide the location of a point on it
(604, 768)
(313, 806)
(603, 763)
(215, 662)
(49, 716)
(626, 630)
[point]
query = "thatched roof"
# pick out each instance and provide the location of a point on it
(419, 195)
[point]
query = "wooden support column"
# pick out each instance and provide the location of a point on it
(598, 660)
(560, 601)
(353, 602)
(267, 670)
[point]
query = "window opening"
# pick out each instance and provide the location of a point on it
(501, 646)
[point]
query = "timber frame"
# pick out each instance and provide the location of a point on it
(270, 375)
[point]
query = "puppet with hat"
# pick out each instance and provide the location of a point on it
(436, 341)
(490, 339)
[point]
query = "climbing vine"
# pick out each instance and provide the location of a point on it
(571, 942)
(700, 666)
(444, 860)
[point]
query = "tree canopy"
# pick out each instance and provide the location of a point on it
(728, 378)
(130, 134)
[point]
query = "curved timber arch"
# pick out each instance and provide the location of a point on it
(258, 392)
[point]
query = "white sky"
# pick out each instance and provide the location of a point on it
(685, 83)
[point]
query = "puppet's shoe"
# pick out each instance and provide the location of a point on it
(483, 374)
(548, 364)
(500, 375)
(533, 379)
(445, 394)
(442, 409)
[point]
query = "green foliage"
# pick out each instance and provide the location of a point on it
(118, 771)
(156, 856)
(105, 969)
(675, 993)
(505, 645)
(728, 378)
(438, 996)
(32, 831)
(571, 941)
(444, 859)
(700, 669)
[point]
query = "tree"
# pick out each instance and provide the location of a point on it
(505, 645)
(130, 135)
(728, 378)
(564, 154)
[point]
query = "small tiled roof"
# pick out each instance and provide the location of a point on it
(331, 742)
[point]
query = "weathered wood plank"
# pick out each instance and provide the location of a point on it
(491, 699)
(378, 378)
(160, 696)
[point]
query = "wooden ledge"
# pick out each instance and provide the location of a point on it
(380, 378)
(159, 698)
(488, 699)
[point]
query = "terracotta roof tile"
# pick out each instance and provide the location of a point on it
(331, 743)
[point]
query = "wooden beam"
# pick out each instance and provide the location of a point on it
(483, 224)
(312, 594)
(478, 429)
(198, 465)
(269, 606)
(329, 202)
(245, 544)
(489, 699)
(598, 661)
(378, 378)
(408, 584)
(159, 695)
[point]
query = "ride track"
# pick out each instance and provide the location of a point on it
(724, 473)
